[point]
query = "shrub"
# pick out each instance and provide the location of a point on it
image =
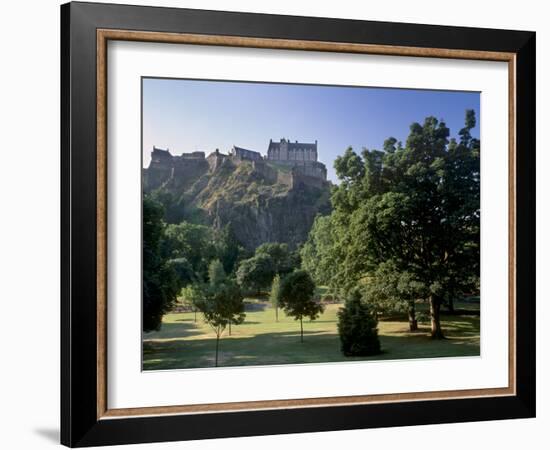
(358, 328)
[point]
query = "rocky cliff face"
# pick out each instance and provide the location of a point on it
(260, 201)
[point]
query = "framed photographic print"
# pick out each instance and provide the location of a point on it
(276, 224)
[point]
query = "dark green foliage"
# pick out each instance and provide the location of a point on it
(390, 291)
(349, 166)
(296, 297)
(358, 328)
(159, 277)
(256, 273)
(173, 206)
(198, 245)
(283, 260)
(414, 207)
(320, 252)
(183, 269)
(193, 242)
(221, 304)
(177, 206)
(228, 249)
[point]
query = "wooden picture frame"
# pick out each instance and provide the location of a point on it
(86, 418)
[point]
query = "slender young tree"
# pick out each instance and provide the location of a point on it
(216, 272)
(221, 304)
(297, 298)
(191, 295)
(274, 295)
(217, 276)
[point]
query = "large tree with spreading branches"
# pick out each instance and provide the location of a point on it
(413, 208)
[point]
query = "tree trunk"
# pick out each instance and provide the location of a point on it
(195, 315)
(451, 305)
(217, 346)
(276, 314)
(413, 323)
(229, 328)
(435, 308)
(301, 330)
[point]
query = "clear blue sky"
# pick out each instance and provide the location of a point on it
(190, 115)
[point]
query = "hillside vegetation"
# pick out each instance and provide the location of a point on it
(258, 203)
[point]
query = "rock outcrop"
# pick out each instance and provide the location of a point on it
(262, 201)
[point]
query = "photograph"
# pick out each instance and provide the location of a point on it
(278, 223)
(300, 223)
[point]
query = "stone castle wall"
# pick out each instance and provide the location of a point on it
(178, 170)
(310, 168)
(267, 172)
(216, 159)
(300, 179)
(184, 169)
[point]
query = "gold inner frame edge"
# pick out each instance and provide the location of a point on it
(104, 35)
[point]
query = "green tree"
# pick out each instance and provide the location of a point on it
(228, 249)
(320, 253)
(193, 242)
(216, 277)
(358, 328)
(256, 273)
(190, 295)
(159, 278)
(389, 291)
(174, 208)
(183, 269)
(216, 273)
(274, 295)
(413, 207)
(221, 304)
(296, 297)
(282, 258)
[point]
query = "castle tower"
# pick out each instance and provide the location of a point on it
(283, 149)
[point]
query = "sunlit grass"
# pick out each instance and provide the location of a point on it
(260, 340)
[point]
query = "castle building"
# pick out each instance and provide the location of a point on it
(301, 156)
(165, 166)
(243, 153)
(285, 150)
(299, 159)
(161, 156)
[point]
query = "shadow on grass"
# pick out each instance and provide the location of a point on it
(171, 330)
(253, 307)
(320, 321)
(464, 325)
(286, 348)
(452, 326)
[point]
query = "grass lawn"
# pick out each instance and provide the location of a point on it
(183, 343)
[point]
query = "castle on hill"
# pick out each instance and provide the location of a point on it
(297, 160)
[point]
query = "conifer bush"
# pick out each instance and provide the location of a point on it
(358, 328)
